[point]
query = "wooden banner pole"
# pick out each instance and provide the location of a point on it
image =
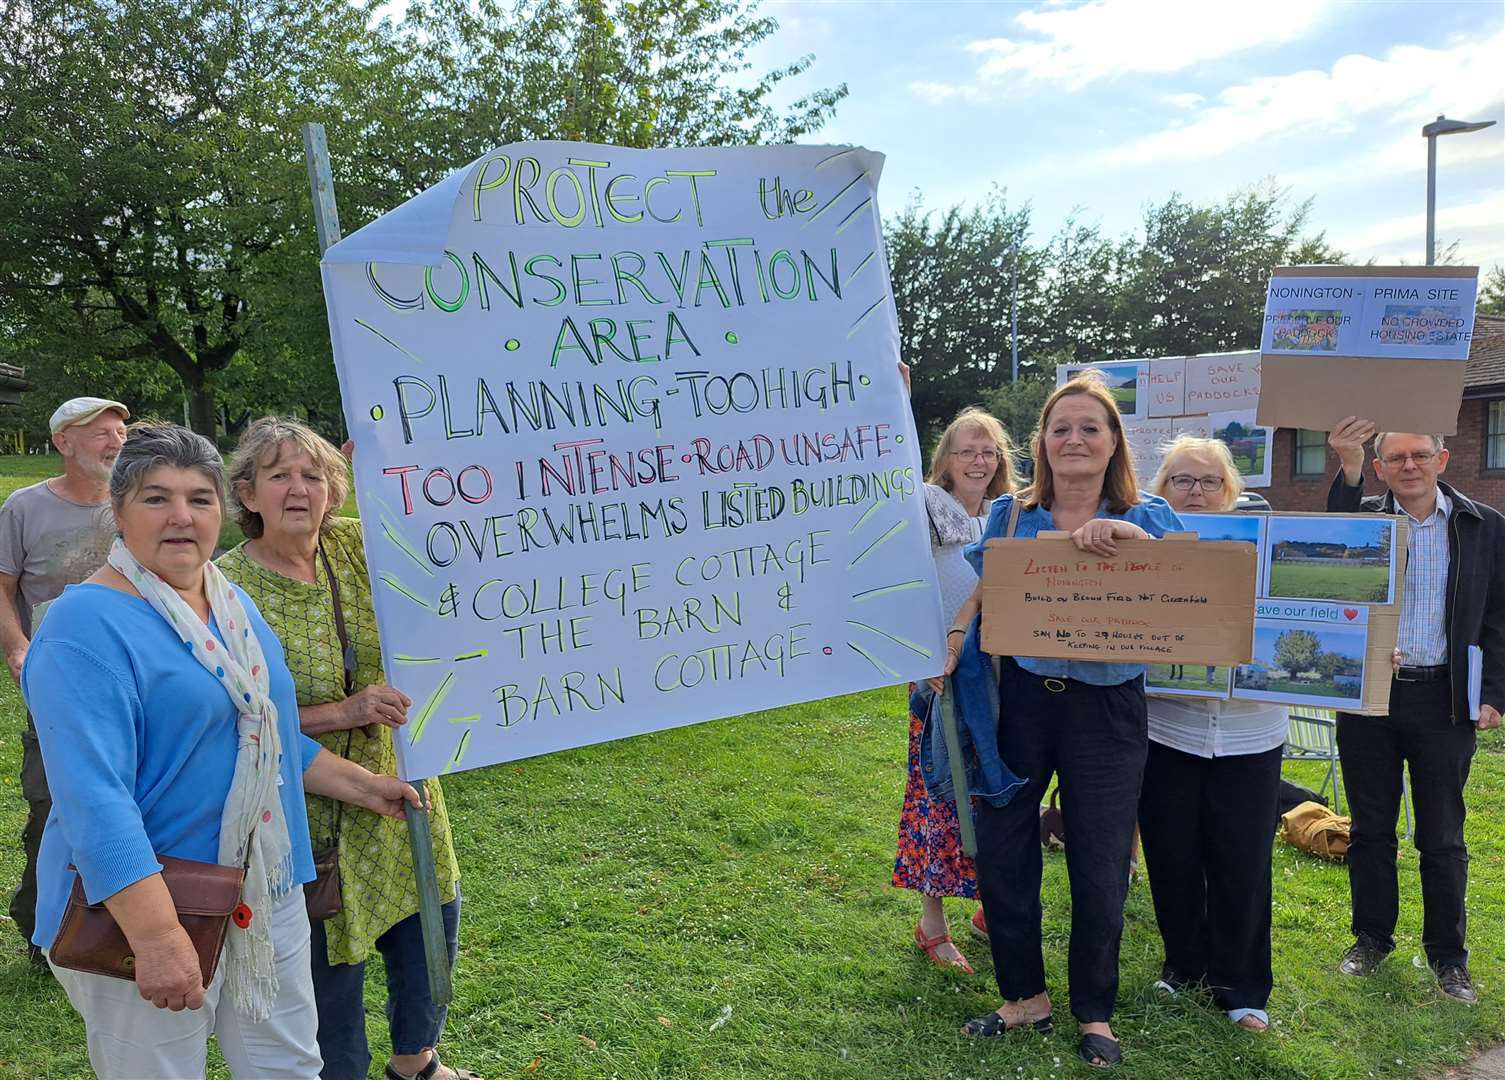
(958, 770)
(420, 839)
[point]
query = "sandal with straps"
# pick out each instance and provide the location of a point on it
(1099, 1051)
(928, 945)
(992, 1026)
(428, 1071)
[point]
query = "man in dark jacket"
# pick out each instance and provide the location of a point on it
(1454, 598)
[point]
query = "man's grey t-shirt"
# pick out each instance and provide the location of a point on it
(48, 542)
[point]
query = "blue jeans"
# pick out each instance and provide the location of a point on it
(413, 1019)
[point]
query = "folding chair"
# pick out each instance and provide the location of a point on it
(1313, 736)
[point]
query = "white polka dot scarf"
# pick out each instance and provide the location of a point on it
(253, 812)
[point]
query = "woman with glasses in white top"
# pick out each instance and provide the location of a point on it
(1208, 805)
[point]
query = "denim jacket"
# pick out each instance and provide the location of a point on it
(976, 700)
(976, 683)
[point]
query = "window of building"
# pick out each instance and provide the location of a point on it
(1311, 452)
(1494, 437)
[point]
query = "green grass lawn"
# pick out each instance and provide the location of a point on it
(1359, 583)
(1251, 464)
(1311, 688)
(16, 471)
(1193, 677)
(621, 899)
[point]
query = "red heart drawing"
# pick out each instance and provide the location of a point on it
(1350, 613)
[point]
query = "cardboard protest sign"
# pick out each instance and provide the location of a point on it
(1334, 584)
(632, 450)
(1388, 343)
(1222, 382)
(1167, 387)
(1210, 396)
(1171, 600)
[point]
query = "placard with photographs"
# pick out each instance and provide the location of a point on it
(1326, 557)
(1306, 654)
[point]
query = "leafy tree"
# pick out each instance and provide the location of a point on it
(152, 190)
(1195, 282)
(1082, 316)
(951, 278)
(154, 202)
(627, 72)
(1492, 292)
(1297, 650)
(1017, 405)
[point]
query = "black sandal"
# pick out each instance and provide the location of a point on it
(992, 1026)
(428, 1071)
(1099, 1051)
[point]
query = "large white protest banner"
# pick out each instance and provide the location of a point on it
(632, 449)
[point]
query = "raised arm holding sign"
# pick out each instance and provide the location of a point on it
(1453, 610)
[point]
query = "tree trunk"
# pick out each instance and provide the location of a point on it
(202, 413)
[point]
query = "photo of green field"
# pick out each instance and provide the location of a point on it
(1328, 558)
(1247, 444)
(1250, 458)
(1303, 663)
(1191, 679)
(1361, 584)
(1123, 383)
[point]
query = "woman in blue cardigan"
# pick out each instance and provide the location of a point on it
(1083, 721)
(169, 726)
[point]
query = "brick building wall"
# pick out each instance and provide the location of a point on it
(1465, 471)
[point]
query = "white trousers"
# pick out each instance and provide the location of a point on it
(132, 1039)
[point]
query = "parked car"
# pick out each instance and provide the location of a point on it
(1252, 500)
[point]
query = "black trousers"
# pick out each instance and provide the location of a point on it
(1373, 750)
(1093, 738)
(23, 905)
(1205, 825)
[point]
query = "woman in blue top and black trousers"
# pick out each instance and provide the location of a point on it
(1082, 721)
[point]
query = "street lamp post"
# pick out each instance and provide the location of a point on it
(1441, 126)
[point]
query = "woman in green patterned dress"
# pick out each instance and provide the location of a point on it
(298, 563)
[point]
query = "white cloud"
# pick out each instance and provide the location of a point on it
(1478, 226)
(1411, 83)
(937, 93)
(1183, 101)
(1082, 44)
(1405, 153)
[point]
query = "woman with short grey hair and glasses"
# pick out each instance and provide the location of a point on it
(1208, 805)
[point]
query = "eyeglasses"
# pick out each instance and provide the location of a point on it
(1398, 461)
(1183, 482)
(988, 457)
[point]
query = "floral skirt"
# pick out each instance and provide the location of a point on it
(931, 860)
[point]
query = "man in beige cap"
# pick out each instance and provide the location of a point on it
(53, 534)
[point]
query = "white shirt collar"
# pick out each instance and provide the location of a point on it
(1444, 508)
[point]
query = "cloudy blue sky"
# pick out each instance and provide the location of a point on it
(1108, 106)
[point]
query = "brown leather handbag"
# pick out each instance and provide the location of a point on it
(322, 896)
(205, 896)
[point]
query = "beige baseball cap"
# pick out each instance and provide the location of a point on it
(81, 410)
